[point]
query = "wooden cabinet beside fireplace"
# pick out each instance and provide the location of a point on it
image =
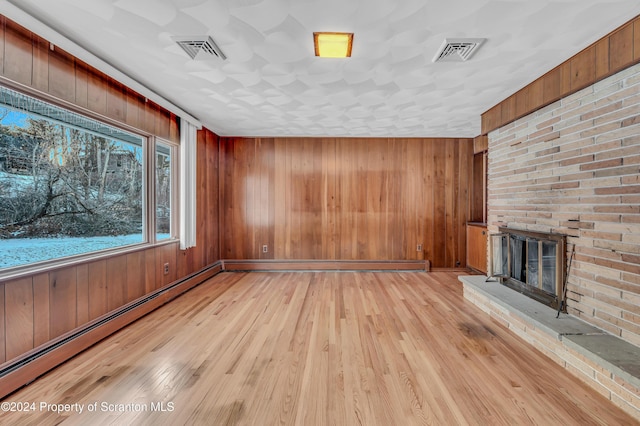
(477, 246)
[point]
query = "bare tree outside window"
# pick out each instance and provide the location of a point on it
(163, 191)
(66, 190)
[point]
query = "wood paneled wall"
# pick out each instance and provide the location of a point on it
(612, 53)
(30, 60)
(345, 198)
(35, 310)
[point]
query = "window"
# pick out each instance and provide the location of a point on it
(164, 190)
(71, 185)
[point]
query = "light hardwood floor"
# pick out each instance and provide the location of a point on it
(337, 348)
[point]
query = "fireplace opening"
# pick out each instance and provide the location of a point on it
(532, 263)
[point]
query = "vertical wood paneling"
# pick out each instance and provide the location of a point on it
(166, 254)
(18, 316)
(583, 68)
(151, 278)
(34, 63)
(429, 243)
(98, 289)
(62, 75)
(376, 208)
(450, 206)
(116, 101)
(565, 78)
(413, 199)
(97, 93)
(551, 86)
(40, 64)
(185, 262)
(264, 197)
(346, 198)
(280, 184)
(536, 94)
(18, 54)
(212, 244)
(47, 305)
(310, 203)
(62, 301)
(135, 275)
(508, 109)
(610, 54)
(621, 48)
(41, 309)
(174, 128)
(82, 84)
(134, 109)
(82, 296)
(465, 179)
(477, 247)
(522, 101)
(328, 195)
(480, 144)
(477, 200)
(162, 123)
(602, 58)
(636, 39)
(150, 113)
(203, 221)
(492, 119)
(3, 24)
(117, 281)
(439, 191)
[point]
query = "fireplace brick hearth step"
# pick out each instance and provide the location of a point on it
(603, 361)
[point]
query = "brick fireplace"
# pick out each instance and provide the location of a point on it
(573, 168)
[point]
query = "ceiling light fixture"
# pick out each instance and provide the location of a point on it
(333, 45)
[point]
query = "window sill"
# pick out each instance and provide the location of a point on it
(51, 265)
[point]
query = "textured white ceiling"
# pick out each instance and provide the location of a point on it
(273, 85)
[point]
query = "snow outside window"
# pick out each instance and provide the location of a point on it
(71, 185)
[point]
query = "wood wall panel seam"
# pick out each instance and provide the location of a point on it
(31, 60)
(612, 53)
(346, 198)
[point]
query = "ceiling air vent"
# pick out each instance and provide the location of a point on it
(200, 48)
(457, 49)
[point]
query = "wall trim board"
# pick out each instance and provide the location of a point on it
(32, 61)
(607, 56)
(16, 14)
(35, 363)
(325, 265)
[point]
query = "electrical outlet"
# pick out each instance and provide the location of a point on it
(166, 268)
(419, 247)
(265, 248)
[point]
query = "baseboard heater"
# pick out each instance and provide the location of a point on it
(236, 265)
(126, 314)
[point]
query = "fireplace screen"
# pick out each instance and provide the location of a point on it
(530, 262)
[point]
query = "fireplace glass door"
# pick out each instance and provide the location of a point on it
(530, 262)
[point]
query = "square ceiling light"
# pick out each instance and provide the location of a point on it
(333, 45)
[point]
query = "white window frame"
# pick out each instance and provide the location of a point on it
(148, 191)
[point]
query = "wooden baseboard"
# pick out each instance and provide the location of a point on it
(452, 269)
(35, 363)
(326, 265)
